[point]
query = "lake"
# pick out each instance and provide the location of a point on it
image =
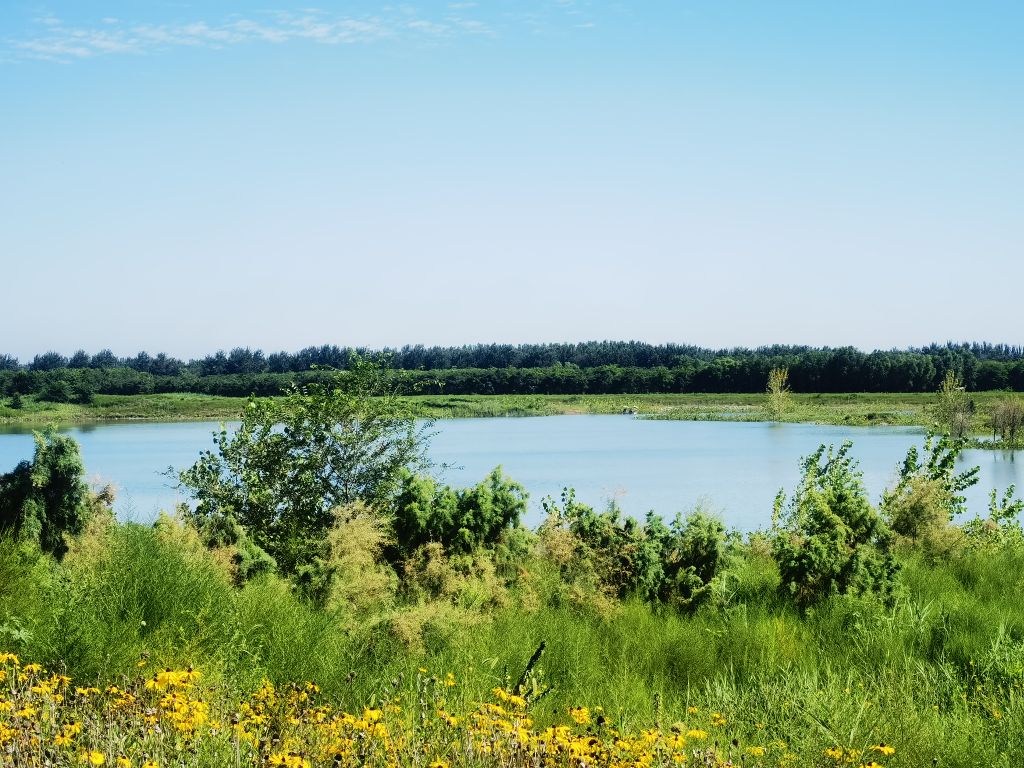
(735, 468)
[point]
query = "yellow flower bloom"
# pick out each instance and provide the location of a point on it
(580, 714)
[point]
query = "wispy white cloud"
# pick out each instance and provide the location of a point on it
(54, 40)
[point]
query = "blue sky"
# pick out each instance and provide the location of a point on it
(185, 177)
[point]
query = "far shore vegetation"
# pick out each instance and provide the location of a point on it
(995, 419)
(965, 389)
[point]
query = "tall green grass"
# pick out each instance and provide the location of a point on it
(937, 675)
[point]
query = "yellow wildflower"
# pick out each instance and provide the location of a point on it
(580, 714)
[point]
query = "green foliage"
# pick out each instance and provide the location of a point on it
(1002, 527)
(461, 519)
(1005, 510)
(24, 573)
(223, 533)
(66, 386)
(675, 563)
(830, 540)
(938, 470)
(955, 408)
(126, 592)
(594, 368)
(46, 500)
(293, 460)
(928, 495)
(691, 551)
(1007, 419)
(601, 550)
(779, 401)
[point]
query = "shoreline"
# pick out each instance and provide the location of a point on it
(835, 409)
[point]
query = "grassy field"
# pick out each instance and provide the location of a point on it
(859, 409)
(937, 676)
(163, 407)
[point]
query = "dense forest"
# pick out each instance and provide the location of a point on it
(604, 367)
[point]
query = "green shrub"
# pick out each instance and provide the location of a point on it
(935, 477)
(223, 534)
(350, 574)
(830, 540)
(1002, 527)
(601, 550)
(691, 551)
(46, 500)
(675, 563)
(460, 519)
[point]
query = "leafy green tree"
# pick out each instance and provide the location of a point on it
(21, 383)
(779, 400)
(46, 499)
(67, 386)
(295, 459)
(48, 361)
(955, 406)
(1008, 419)
(104, 359)
(829, 539)
(79, 360)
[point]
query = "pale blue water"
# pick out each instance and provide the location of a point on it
(668, 466)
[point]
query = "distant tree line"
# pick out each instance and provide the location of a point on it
(585, 368)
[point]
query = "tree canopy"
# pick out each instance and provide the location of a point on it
(294, 460)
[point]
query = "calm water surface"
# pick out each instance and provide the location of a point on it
(669, 466)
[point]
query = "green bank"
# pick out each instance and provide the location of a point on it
(854, 409)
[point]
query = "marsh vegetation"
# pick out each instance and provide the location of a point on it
(316, 552)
